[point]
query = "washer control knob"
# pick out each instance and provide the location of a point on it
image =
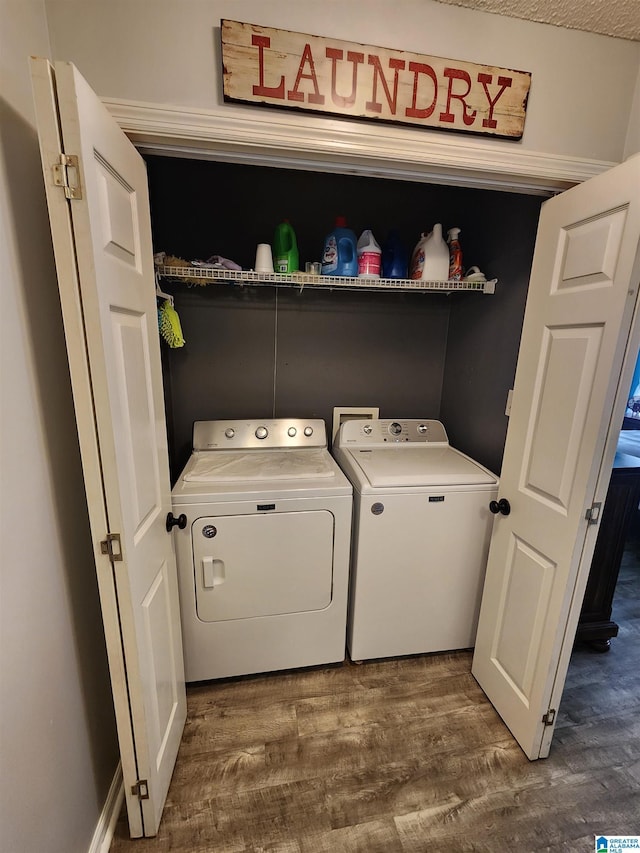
(229, 432)
(395, 428)
(262, 432)
(308, 431)
(292, 431)
(367, 429)
(423, 428)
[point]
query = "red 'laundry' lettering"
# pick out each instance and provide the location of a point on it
(294, 94)
(334, 55)
(397, 65)
(268, 91)
(504, 83)
(468, 116)
(423, 112)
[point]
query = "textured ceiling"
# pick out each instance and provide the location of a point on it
(617, 18)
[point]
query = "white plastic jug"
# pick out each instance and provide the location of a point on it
(417, 258)
(430, 260)
(369, 256)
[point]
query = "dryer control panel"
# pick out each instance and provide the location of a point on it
(274, 433)
(380, 432)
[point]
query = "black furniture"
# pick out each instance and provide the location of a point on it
(595, 625)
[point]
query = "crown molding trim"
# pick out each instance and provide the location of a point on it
(312, 143)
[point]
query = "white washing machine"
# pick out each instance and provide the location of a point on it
(263, 556)
(420, 538)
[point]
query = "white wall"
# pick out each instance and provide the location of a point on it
(632, 145)
(57, 735)
(167, 51)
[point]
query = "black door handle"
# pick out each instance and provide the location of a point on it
(172, 521)
(502, 506)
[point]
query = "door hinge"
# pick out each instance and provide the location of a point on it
(66, 174)
(112, 546)
(593, 513)
(549, 717)
(141, 789)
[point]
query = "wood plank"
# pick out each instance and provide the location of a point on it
(376, 836)
(383, 705)
(243, 727)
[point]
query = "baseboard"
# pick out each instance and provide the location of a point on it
(103, 835)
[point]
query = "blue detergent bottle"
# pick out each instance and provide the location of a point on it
(395, 257)
(340, 255)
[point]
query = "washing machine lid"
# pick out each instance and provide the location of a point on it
(230, 466)
(420, 466)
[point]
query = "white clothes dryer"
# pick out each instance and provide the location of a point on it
(263, 553)
(420, 538)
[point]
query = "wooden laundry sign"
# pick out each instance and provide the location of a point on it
(273, 67)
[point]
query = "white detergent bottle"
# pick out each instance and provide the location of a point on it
(417, 258)
(436, 257)
(369, 256)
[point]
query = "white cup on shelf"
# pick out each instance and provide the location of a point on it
(264, 258)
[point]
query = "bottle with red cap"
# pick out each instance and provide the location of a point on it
(456, 270)
(369, 255)
(340, 255)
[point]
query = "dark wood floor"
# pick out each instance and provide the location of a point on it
(406, 755)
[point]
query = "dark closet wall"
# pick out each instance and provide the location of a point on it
(264, 352)
(484, 334)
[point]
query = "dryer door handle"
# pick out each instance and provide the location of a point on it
(213, 572)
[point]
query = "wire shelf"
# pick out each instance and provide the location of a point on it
(202, 275)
